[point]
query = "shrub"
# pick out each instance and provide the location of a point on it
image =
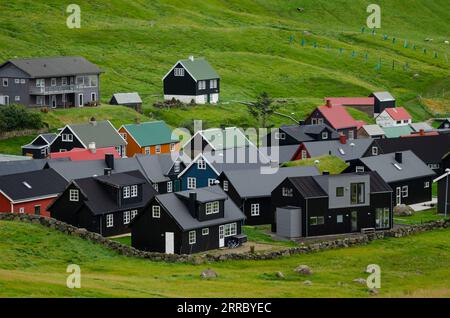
(15, 117)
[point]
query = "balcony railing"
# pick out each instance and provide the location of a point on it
(63, 89)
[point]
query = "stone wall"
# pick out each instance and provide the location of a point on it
(353, 240)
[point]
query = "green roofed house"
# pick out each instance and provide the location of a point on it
(398, 131)
(150, 138)
(192, 80)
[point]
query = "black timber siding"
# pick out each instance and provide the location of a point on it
(35, 153)
(180, 85)
(58, 144)
(416, 190)
(443, 205)
(318, 115)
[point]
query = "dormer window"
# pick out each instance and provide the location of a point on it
(179, 72)
(134, 191)
(212, 207)
(325, 135)
(74, 195)
(126, 192)
(320, 121)
(201, 164)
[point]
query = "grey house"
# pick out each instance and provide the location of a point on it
(69, 81)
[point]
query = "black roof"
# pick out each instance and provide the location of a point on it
(427, 148)
(121, 179)
(32, 184)
(21, 166)
(308, 187)
(303, 133)
(377, 184)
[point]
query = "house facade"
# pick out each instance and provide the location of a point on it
(394, 117)
(39, 148)
(443, 193)
(331, 204)
(382, 101)
(58, 82)
(188, 222)
(296, 134)
(192, 80)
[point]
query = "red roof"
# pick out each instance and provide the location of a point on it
(338, 117)
(78, 154)
(351, 101)
(398, 113)
(421, 134)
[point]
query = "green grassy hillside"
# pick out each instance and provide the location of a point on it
(34, 259)
(136, 42)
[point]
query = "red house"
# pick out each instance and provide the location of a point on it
(337, 117)
(30, 192)
(79, 154)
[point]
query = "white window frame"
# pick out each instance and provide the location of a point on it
(213, 84)
(229, 229)
(287, 192)
(109, 220)
(126, 217)
(325, 135)
(280, 136)
(126, 192)
(156, 211)
(201, 164)
(40, 82)
(177, 167)
(201, 85)
(178, 71)
(67, 137)
(172, 147)
(192, 183)
(134, 191)
(192, 237)
(147, 150)
(212, 207)
(22, 81)
(17, 81)
(40, 100)
(74, 195)
(426, 184)
(374, 151)
(405, 191)
(133, 213)
(169, 187)
(93, 97)
(124, 136)
(53, 82)
(17, 98)
(304, 154)
(5, 82)
(351, 135)
(205, 231)
(63, 81)
(211, 182)
(255, 209)
(21, 210)
(339, 218)
(225, 185)
(359, 169)
(158, 149)
(156, 187)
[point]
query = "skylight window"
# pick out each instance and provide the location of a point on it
(396, 165)
(27, 185)
(342, 151)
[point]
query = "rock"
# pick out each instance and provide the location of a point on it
(303, 270)
(279, 274)
(306, 32)
(373, 291)
(301, 9)
(403, 210)
(446, 42)
(361, 281)
(307, 283)
(416, 75)
(209, 273)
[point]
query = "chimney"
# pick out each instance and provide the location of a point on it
(191, 57)
(326, 173)
(301, 122)
(328, 104)
(92, 147)
(343, 139)
(399, 157)
(107, 171)
(192, 204)
(422, 132)
(109, 160)
(93, 122)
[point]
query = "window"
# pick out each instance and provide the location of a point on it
(176, 167)
(213, 84)
(156, 187)
(126, 192)
(169, 187)
(201, 85)
(192, 237)
(158, 148)
(22, 81)
(375, 151)
(304, 154)
(325, 135)
(405, 191)
(351, 135)
(405, 121)
(93, 97)
(212, 207)
(80, 80)
(434, 166)
(399, 122)
(21, 210)
(64, 81)
(53, 82)
(67, 137)
(37, 210)
(179, 72)
(287, 192)
(192, 183)
(74, 195)
(93, 81)
(360, 169)
(133, 214)
(17, 98)
(320, 121)
(280, 136)
(124, 136)
(254, 209)
(39, 100)
(230, 229)
(40, 82)
(126, 217)
(134, 191)
(205, 231)
(5, 82)
(340, 191)
(316, 220)
(340, 218)
(172, 147)
(156, 211)
(201, 164)
(314, 121)
(147, 150)
(357, 193)
(225, 185)
(427, 184)
(382, 218)
(17, 81)
(211, 182)
(109, 220)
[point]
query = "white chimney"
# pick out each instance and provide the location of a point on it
(92, 147)
(191, 57)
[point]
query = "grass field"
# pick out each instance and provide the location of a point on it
(34, 261)
(419, 217)
(332, 164)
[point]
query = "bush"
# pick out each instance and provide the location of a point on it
(15, 117)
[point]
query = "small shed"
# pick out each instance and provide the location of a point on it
(383, 100)
(132, 100)
(371, 131)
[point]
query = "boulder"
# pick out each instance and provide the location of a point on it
(279, 274)
(403, 210)
(307, 283)
(373, 291)
(303, 270)
(361, 281)
(208, 273)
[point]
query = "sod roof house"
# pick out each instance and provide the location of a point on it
(149, 138)
(192, 80)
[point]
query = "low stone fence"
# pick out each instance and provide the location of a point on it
(21, 133)
(353, 240)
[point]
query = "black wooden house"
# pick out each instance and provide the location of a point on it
(443, 193)
(188, 222)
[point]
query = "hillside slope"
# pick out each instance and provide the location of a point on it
(136, 42)
(34, 260)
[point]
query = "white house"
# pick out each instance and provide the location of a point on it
(394, 117)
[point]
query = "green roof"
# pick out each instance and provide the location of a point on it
(200, 69)
(394, 132)
(151, 133)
